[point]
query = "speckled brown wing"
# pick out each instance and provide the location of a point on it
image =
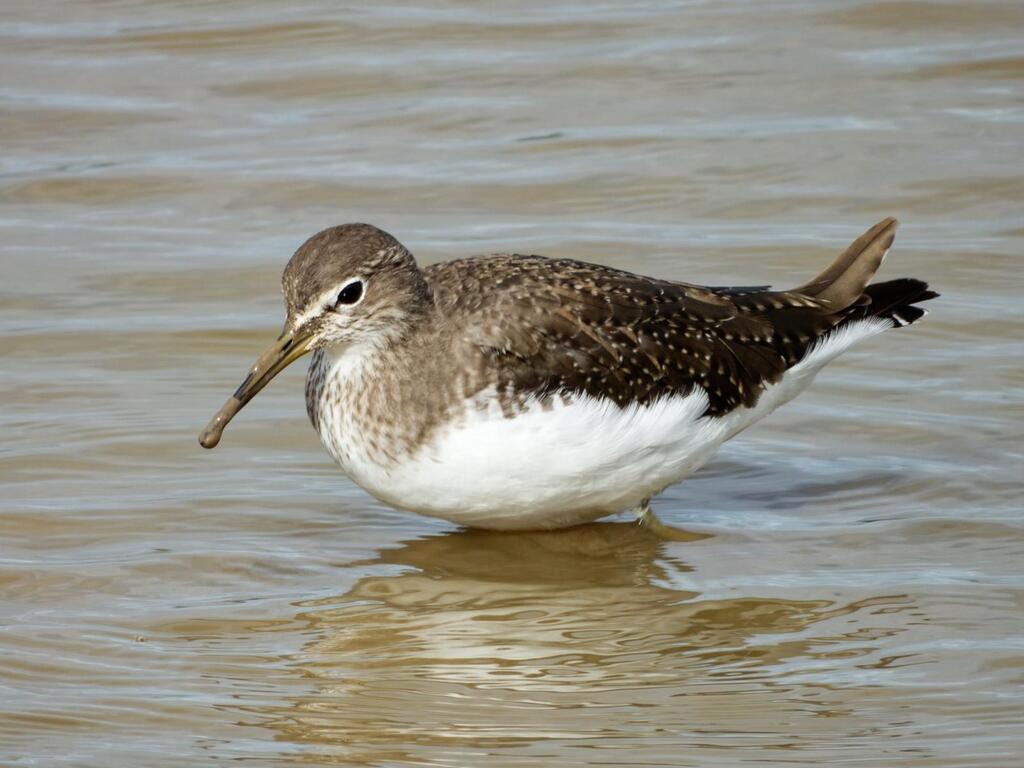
(561, 326)
(552, 326)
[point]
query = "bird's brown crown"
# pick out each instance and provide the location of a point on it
(334, 255)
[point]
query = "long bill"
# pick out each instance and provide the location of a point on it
(285, 350)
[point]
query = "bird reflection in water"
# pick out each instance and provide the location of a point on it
(478, 643)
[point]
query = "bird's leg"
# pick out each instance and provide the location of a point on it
(647, 519)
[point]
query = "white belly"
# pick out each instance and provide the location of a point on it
(548, 468)
(565, 464)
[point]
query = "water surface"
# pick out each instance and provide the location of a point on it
(857, 596)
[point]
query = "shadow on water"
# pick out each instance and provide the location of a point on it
(495, 642)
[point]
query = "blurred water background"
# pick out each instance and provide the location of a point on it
(858, 597)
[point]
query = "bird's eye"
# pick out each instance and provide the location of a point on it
(351, 293)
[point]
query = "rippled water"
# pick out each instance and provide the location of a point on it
(857, 597)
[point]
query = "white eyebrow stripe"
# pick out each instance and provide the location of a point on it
(315, 308)
(325, 300)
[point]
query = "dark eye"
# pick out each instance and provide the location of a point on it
(351, 293)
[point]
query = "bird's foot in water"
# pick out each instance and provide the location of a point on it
(646, 518)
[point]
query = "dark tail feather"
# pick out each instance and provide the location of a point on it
(896, 300)
(842, 284)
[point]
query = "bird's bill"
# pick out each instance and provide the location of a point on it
(283, 352)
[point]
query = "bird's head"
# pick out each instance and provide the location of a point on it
(353, 285)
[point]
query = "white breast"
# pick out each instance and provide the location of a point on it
(561, 464)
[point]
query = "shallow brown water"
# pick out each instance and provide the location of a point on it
(858, 597)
